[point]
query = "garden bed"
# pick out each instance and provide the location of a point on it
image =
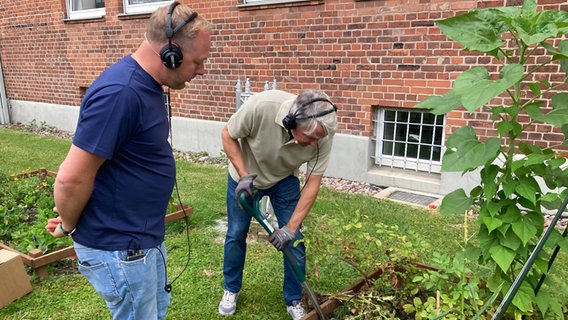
(39, 261)
(330, 305)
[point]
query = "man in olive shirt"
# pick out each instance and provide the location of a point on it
(267, 141)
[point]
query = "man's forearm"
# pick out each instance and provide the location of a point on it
(234, 153)
(70, 202)
(307, 199)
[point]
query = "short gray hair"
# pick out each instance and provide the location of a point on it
(306, 108)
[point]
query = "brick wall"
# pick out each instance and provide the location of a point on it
(362, 53)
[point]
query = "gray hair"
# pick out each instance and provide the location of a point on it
(307, 109)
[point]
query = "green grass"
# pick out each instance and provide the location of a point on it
(197, 291)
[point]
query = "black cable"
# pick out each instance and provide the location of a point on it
(186, 220)
(168, 284)
(308, 175)
(313, 167)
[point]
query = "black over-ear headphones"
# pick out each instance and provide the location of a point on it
(290, 119)
(171, 54)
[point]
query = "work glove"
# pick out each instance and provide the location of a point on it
(245, 185)
(280, 238)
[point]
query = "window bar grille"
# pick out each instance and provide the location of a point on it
(424, 157)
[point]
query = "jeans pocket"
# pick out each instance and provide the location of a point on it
(102, 280)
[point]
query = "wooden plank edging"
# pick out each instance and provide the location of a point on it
(45, 259)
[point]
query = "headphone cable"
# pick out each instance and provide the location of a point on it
(168, 285)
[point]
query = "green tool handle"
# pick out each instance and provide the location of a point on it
(255, 212)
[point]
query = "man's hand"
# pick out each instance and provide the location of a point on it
(280, 238)
(52, 226)
(245, 185)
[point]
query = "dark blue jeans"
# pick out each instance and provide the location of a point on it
(283, 196)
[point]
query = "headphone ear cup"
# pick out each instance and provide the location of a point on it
(171, 56)
(289, 122)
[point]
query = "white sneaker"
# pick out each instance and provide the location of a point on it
(228, 304)
(296, 310)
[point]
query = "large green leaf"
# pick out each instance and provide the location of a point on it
(537, 28)
(488, 176)
(455, 203)
(563, 46)
(465, 152)
(491, 223)
(489, 208)
(476, 88)
(527, 190)
(524, 297)
(511, 241)
(535, 158)
(534, 27)
(486, 241)
(536, 220)
(478, 30)
(440, 104)
(558, 116)
(503, 256)
(524, 231)
(543, 301)
(509, 185)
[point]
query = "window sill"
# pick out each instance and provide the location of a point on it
(85, 20)
(270, 4)
(132, 16)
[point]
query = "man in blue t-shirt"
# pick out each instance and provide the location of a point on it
(113, 188)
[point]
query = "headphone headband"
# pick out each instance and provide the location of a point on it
(317, 115)
(289, 120)
(171, 54)
(169, 29)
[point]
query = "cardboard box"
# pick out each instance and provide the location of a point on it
(14, 280)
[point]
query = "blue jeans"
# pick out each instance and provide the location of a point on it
(131, 289)
(283, 196)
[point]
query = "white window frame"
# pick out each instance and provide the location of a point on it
(146, 6)
(84, 14)
(406, 162)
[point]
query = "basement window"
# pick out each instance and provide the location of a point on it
(410, 140)
(85, 9)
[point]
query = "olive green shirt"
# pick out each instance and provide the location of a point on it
(267, 147)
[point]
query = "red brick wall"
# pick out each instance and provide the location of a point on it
(362, 53)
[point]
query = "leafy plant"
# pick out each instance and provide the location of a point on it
(367, 246)
(457, 288)
(519, 179)
(404, 288)
(26, 203)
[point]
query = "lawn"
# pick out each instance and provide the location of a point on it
(198, 288)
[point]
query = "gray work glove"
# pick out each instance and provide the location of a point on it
(280, 238)
(245, 185)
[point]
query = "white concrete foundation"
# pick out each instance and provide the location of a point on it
(350, 156)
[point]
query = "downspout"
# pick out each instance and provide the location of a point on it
(4, 114)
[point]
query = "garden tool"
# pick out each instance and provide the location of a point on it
(255, 212)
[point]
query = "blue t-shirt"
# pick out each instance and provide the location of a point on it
(123, 119)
